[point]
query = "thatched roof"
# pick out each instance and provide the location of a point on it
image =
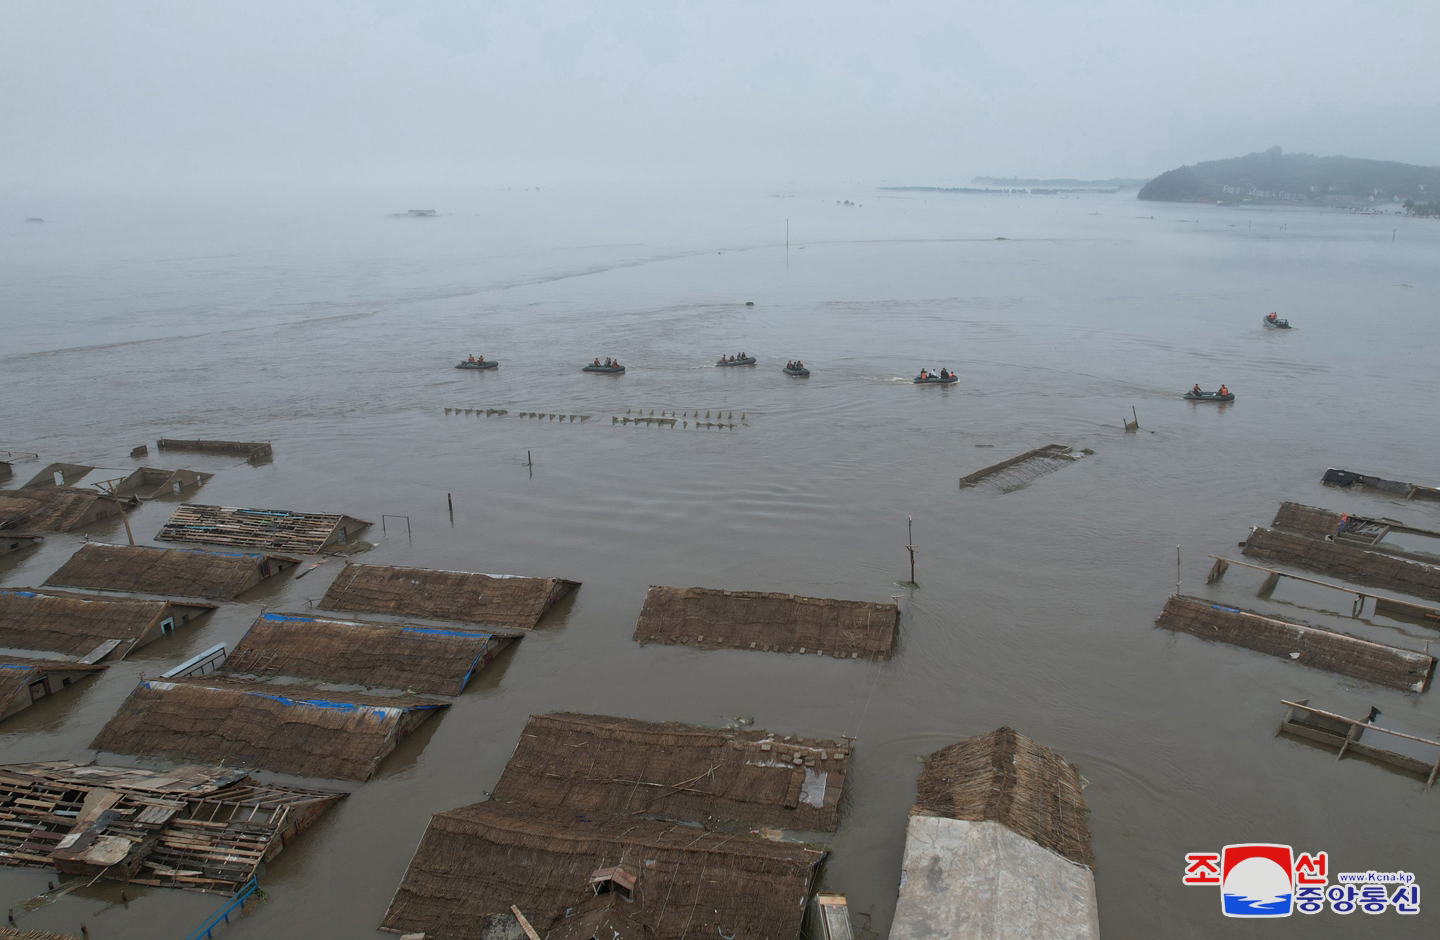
(476, 861)
(76, 624)
(52, 508)
(279, 529)
(1290, 639)
(787, 623)
(620, 768)
(1006, 777)
(17, 673)
(15, 933)
(339, 735)
(180, 572)
(465, 596)
(1346, 562)
(385, 655)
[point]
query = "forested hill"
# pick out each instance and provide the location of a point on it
(1295, 178)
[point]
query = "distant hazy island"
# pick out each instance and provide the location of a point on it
(1276, 177)
(1117, 183)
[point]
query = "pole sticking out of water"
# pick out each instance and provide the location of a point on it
(910, 546)
(1177, 569)
(450, 501)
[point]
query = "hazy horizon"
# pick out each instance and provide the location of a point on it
(163, 94)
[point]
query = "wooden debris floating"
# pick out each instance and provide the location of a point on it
(1346, 562)
(279, 529)
(1018, 472)
(463, 596)
(782, 623)
(1308, 645)
(177, 572)
(1335, 477)
(1346, 734)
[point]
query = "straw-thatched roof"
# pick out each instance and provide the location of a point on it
(282, 530)
(616, 767)
(55, 508)
(15, 933)
(786, 623)
(16, 675)
(1289, 639)
(385, 655)
(1346, 562)
(476, 861)
(339, 735)
(1308, 520)
(179, 572)
(76, 624)
(1006, 777)
(465, 596)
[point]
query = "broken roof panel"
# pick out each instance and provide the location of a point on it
(279, 529)
(179, 572)
(76, 624)
(787, 623)
(1311, 646)
(387, 655)
(712, 776)
(473, 863)
(287, 729)
(464, 596)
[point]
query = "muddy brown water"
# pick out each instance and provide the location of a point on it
(331, 329)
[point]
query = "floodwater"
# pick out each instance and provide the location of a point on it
(330, 328)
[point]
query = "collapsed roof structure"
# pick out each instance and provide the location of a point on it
(463, 596)
(278, 529)
(715, 619)
(176, 572)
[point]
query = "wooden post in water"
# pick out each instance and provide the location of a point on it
(1177, 569)
(910, 546)
(109, 487)
(450, 501)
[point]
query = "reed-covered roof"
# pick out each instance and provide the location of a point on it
(1006, 777)
(1346, 562)
(179, 572)
(605, 767)
(476, 861)
(786, 623)
(385, 655)
(287, 729)
(51, 508)
(463, 596)
(76, 624)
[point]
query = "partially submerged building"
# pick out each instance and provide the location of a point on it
(1363, 531)
(277, 529)
(287, 729)
(711, 776)
(1308, 645)
(785, 623)
(463, 596)
(153, 483)
(1346, 562)
(14, 543)
(253, 451)
(176, 572)
(57, 474)
(58, 508)
(90, 626)
(661, 815)
(1335, 477)
(23, 682)
(998, 846)
(402, 656)
(199, 828)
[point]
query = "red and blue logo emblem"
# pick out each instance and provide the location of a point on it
(1257, 880)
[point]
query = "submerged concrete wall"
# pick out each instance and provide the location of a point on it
(964, 880)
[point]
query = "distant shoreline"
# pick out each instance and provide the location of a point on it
(1023, 191)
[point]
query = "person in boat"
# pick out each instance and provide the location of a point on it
(799, 364)
(597, 360)
(790, 364)
(472, 358)
(1196, 390)
(478, 360)
(1271, 317)
(615, 363)
(742, 355)
(1223, 391)
(924, 375)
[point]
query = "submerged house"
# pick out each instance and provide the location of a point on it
(91, 626)
(1363, 531)
(58, 508)
(786, 623)
(278, 529)
(998, 846)
(199, 828)
(57, 474)
(153, 483)
(403, 656)
(287, 729)
(1345, 561)
(462, 596)
(24, 682)
(598, 824)
(14, 543)
(176, 572)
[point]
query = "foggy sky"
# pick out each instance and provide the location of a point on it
(477, 91)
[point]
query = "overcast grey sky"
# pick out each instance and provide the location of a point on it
(106, 92)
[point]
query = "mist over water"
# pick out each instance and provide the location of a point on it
(321, 323)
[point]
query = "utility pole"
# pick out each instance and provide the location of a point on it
(108, 487)
(910, 546)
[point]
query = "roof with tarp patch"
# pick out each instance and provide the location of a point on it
(711, 776)
(18, 674)
(463, 596)
(713, 619)
(387, 655)
(199, 828)
(179, 572)
(287, 729)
